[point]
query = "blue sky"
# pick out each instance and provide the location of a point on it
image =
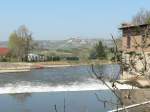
(62, 19)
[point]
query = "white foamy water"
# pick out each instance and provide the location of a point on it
(29, 88)
(53, 80)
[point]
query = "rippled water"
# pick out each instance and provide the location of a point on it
(55, 79)
(52, 86)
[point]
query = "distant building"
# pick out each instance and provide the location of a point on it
(33, 57)
(133, 35)
(4, 52)
(36, 57)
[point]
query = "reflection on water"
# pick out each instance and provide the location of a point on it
(21, 97)
(111, 71)
(21, 100)
(84, 101)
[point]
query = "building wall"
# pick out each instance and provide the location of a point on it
(133, 44)
(136, 33)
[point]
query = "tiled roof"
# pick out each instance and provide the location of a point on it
(124, 26)
(4, 51)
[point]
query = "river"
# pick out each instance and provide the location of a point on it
(40, 89)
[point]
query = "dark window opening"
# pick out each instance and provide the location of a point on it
(143, 40)
(128, 41)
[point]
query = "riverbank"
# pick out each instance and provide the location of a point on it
(25, 67)
(135, 80)
(135, 99)
(135, 103)
(6, 67)
(10, 67)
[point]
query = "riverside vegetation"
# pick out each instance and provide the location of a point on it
(21, 44)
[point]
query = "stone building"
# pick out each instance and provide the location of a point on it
(136, 49)
(133, 37)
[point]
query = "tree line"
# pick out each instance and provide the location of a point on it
(20, 43)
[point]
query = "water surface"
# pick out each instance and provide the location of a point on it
(39, 90)
(55, 79)
(79, 101)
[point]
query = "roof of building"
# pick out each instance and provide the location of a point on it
(128, 25)
(4, 51)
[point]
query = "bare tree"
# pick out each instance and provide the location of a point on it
(142, 17)
(130, 66)
(21, 43)
(26, 37)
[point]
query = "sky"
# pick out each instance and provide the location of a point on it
(62, 19)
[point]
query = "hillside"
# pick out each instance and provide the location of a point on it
(66, 44)
(71, 43)
(69, 47)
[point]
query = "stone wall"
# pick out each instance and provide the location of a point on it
(139, 64)
(135, 40)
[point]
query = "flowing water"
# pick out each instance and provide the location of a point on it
(39, 90)
(54, 79)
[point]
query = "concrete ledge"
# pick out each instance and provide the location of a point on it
(136, 83)
(14, 70)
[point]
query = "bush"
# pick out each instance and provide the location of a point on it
(3, 60)
(93, 55)
(72, 58)
(98, 51)
(53, 58)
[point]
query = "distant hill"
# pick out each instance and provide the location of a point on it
(71, 43)
(69, 47)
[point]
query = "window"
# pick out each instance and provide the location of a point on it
(128, 41)
(143, 40)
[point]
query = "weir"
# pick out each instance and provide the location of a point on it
(75, 78)
(29, 88)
